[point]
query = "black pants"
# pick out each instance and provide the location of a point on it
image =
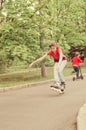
(76, 69)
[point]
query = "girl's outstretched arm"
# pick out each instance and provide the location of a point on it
(38, 60)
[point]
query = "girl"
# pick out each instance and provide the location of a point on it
(60, 61)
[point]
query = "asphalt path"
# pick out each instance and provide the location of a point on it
(40, 108)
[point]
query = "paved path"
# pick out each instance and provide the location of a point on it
(39, 108)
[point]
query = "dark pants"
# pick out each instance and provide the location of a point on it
(76, 69)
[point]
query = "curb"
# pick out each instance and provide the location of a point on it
(81, 118)
(30, 84)
(24, 86)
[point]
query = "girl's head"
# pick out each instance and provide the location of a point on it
(53, 46)
(77, 54)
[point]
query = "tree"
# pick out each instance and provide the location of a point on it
(27, 27)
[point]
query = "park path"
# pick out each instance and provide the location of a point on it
(39, 108)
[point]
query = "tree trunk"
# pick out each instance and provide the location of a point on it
(1, 1)
(43, 70)
(41, 38)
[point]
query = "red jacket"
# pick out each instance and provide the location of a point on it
(76, 61)
(56, 55)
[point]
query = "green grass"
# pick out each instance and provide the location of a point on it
(18, 78)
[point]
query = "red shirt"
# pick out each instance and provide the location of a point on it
(56, 55)
(76, 61)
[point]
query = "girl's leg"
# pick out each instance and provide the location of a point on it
(60, 73)
(77, 72)
(56, 77)
(76, 68)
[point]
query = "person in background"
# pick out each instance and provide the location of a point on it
(76, 60)
(60, 61)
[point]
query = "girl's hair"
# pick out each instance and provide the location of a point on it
(53, 44)
(77, 53)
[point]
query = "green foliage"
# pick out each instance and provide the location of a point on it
(27, 27)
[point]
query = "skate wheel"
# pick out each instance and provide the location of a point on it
(74, 78)
(81, 77)
(59, 91)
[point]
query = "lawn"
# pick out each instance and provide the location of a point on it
(29, 76)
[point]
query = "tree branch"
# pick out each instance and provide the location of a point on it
(1, 1)
(36, 11)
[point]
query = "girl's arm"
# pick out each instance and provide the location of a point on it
(38, 60)
(80, 60)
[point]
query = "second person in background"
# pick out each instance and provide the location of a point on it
(76, 60)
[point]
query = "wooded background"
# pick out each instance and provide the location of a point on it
(28, 26)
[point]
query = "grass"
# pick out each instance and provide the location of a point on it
(26, 76)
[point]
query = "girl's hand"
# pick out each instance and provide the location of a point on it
(30, 66)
